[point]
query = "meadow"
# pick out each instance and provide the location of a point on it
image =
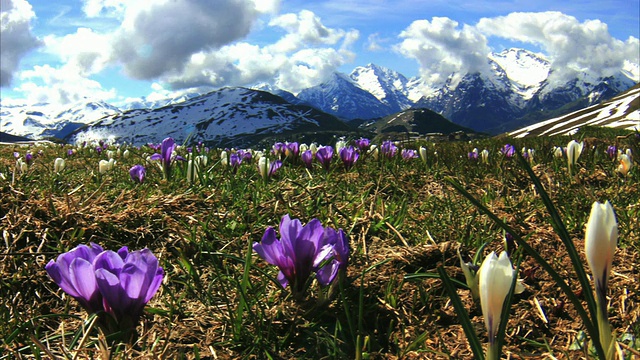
(405, 220)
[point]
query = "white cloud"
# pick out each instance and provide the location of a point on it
(160, 37)
(84, 50)
(441, 48)
(45, 84)
(305, 55)
(17, 39)
(573, 47)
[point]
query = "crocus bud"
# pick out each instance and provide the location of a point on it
(224, 159)
(557, 152)
(485, 156)
(103, 166)
(601, 238)
(58, 165)
(625, 164)
(494, 282)
(263, 167)
(137, 173)
(423, 153)
(574, 149)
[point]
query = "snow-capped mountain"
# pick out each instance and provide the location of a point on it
(516, 92)
(45, 120)
(388, 86)
(519, 85)
(621, 111)
(226, 117)
(342, 97)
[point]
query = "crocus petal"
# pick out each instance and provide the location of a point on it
(110, 261)
(601, 238)
(156, 157)
(83, 279)
(60, 275)
(495, 277)
(112, 292)
(327, 273)
(270, 249)
(282, 279)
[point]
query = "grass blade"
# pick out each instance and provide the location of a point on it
(467, 326)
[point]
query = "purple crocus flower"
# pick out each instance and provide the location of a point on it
(138, 173)
(16, 154)
(279, 149)
(337, 240)
(307, 158)
(363, 144)
(408, 154)
(298, 252)
(388, 149)
(473, 155)
(127, 281)
(28, 158)
(292, 150)
(73, 271)
(235, 160)
(244, 155)
(274, 166)
(70, 152)
(166, 156)
(349, 156)
(612, 151)
(508, 150)
(324, 156)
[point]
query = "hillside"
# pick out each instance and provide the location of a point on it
(622, 111)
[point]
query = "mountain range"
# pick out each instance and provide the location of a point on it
(516, 92)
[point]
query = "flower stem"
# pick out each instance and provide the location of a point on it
(604, 328)
(492, 351)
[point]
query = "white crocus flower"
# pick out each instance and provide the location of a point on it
(557, 152)
(340, 144)
(601, 239)
(625, 164)
(494, 282)
(58, 165)
(374, 151)
(224, 158)
(423, 153)
(263, 166)
(485, 156)
(574, 149)
(192, 171)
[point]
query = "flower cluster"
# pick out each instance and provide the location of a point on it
(104, 281)
(303, 250)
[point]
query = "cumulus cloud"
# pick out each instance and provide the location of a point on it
(84, 50)
(572, 46)
(305, 55)
(17, 39)
(442, 49)
(46, 84)
(160, 38)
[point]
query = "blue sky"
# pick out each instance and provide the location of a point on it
(114, 50)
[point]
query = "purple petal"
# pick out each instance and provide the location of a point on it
(327, 273)
(112, 292)
(83, 279)
(270, 249)
(156, 157)
(110, 261)
(60, 275)
(283, 280)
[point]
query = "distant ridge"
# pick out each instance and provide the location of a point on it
(621, 111)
